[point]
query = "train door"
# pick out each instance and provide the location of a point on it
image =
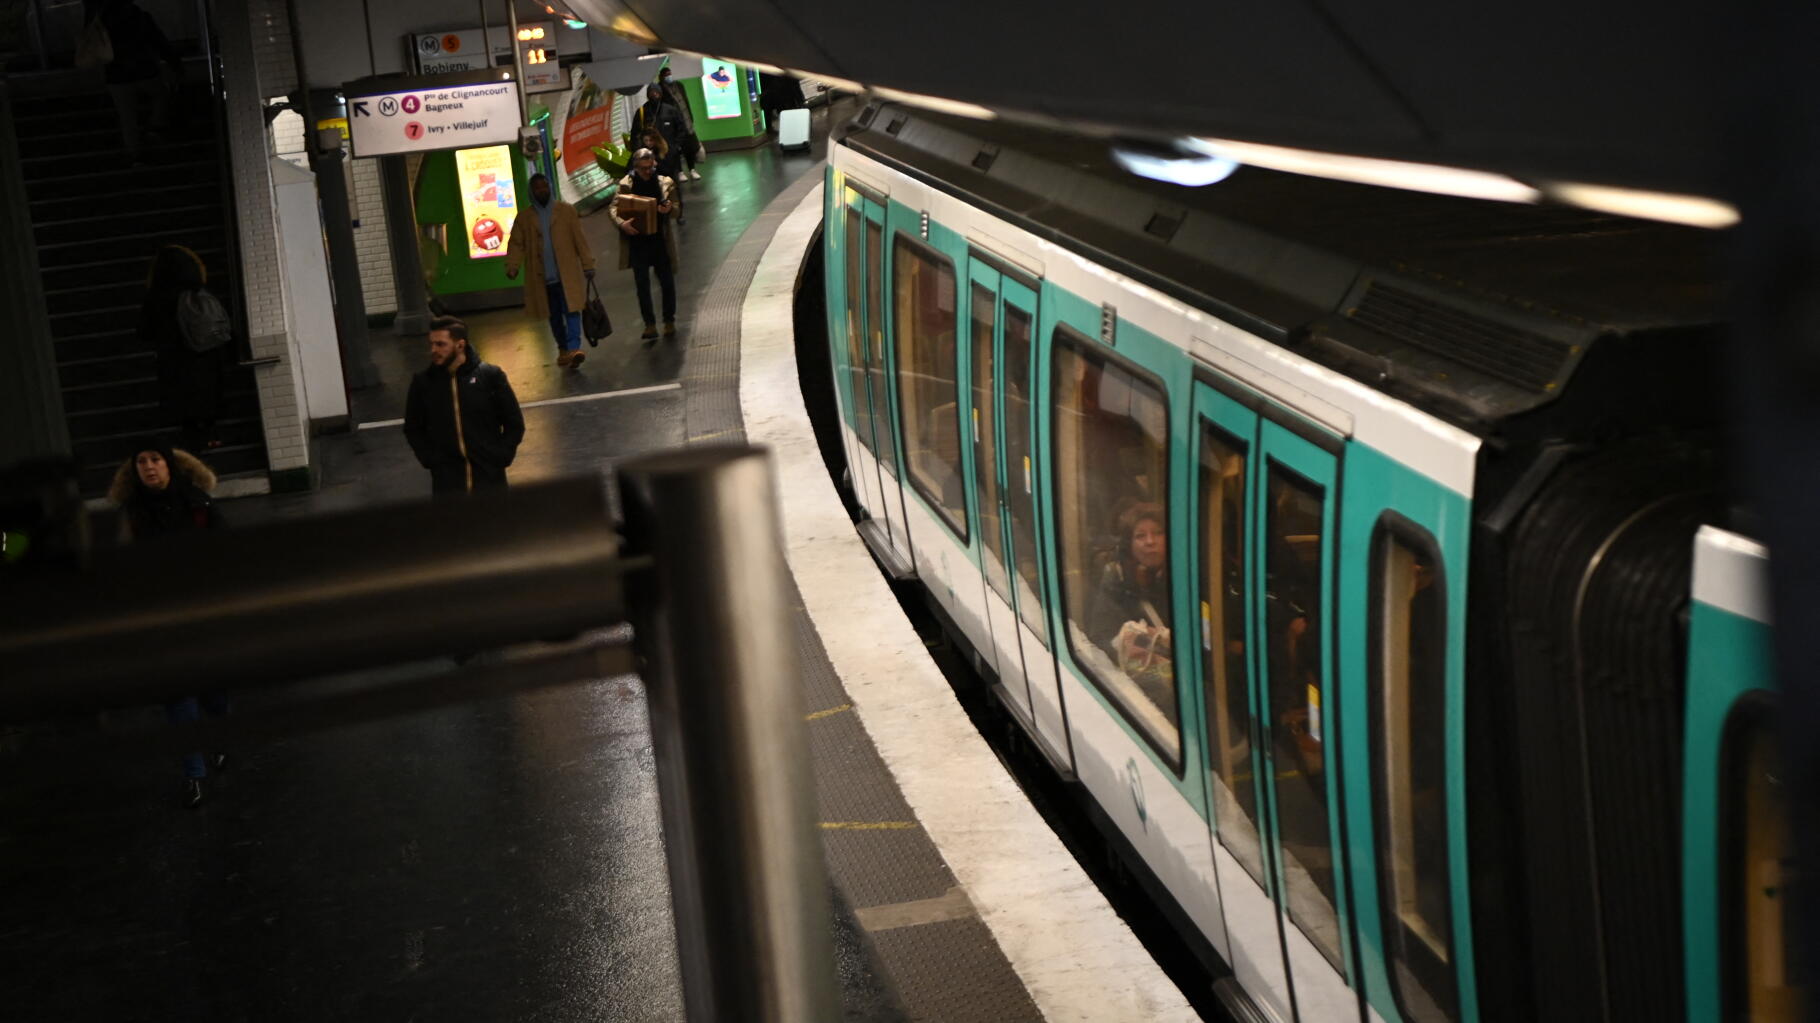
(985, 328)
(862, 447)
(1400, 714)
(1294, 511)
(1227, 573)
(884, 412)
(1017, 418)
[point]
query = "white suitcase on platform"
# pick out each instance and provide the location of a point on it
(793, 129)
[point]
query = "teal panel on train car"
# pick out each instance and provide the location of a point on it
(834, 276)
(1384, 497)
(902, 221)
(1169, 365)
(1728, 658)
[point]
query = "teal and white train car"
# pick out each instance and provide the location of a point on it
(1319, 532)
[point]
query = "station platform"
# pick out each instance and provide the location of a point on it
(504, 860)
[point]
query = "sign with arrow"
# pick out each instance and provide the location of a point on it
(431, 112)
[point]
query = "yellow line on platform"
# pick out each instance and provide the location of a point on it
(830, 712)
(868, 825)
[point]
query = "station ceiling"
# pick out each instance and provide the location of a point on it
(1619, 92)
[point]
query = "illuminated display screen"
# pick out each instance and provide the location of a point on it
(720, 85)
(489, 201)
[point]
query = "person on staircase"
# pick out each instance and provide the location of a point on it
(551, 241)
(144, 72)
(183, 322)
(162, 491)
(643, 251)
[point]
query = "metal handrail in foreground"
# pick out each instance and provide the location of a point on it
(701, 571)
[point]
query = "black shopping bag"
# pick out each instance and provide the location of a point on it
(594, 322)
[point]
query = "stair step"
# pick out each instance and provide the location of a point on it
(202, 166)
(94, 372)
(124, 202)
(158, 156)
(89, 322)
(132, 420)
(140, 246)
(131, 270)
(83, 399)
(207, 215)
(112, 449)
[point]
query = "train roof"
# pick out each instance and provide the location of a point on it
(1480, 309)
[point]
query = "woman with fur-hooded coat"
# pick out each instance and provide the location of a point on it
(160, 491)
(163, 490)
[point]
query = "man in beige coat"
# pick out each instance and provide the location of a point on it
(549, 235)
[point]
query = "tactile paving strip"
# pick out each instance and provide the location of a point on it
(878, 855)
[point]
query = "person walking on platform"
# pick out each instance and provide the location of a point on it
(643, 251)
(183, 322)
(461, 418)
(552, 243)
(161, 491)
(658, 114)
(690, 144)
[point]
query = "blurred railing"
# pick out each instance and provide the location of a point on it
(699, 572)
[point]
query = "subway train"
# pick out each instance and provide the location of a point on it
(1362, 557)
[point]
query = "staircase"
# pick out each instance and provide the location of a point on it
(97, 222)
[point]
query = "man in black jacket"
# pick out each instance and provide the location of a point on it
(461, 417)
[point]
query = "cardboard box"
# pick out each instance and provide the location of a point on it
(640, 210)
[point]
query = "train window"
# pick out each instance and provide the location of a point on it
(1111, 447)
(1762, 983)
(886, 448)
(1019, 484)
(1409, 753)
(985, 446)
(856, 353)
(1293, 565)
(928, 393)
(1223, 649)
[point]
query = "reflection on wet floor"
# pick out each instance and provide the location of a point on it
(500, 860)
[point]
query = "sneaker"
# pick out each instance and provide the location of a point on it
(218, 762)
(695, 175)
(192, 793)
(650, 333)
(669, 328)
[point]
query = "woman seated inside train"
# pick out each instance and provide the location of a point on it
(1129, 613)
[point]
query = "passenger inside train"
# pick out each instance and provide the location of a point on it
(1127, 612)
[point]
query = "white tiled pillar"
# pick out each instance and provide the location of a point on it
(370, 241)
(257, 62)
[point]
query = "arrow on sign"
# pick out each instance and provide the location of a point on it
(360, 108)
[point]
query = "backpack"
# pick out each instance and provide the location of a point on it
(94, 47)
(202, 321)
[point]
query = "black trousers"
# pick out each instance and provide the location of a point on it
(666, 280)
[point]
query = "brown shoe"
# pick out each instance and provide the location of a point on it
(670, 328)
(563, 359)
(575, 358)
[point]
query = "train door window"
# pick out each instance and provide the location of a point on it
(928, 395)
(856, 351)
(985, 445)
(1223, 651)
(886, 449)
(1409, 729)
(1294, 527)
(1761, 983)
(1019, 482)
(1111, 450)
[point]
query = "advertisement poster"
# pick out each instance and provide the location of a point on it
(489, 202)
(589, 124)
(720, 85)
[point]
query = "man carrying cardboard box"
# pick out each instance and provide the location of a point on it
(641, 207)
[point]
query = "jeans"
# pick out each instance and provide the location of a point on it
(666, 279)
(128, 97)
(187, 710)
(564, 326)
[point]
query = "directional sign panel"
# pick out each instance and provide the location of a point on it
(416, 115)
